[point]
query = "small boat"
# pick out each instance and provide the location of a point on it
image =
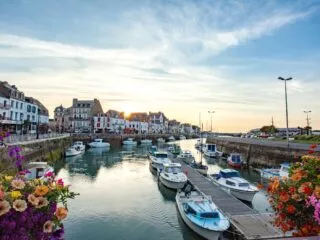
(76, 149)
(171, 138)
(174, 149)
(186, 156)
(161, 140)
(98, 143)
(203, 169)
(269, 173)
(158, 159)
(130, 141)
(172, 177)
(210, 150)
(181, 137)
(230, 180)
(37, 170)
(201, 215)
(146, 141)
(235, 160)
(152, 150)
(79, 145)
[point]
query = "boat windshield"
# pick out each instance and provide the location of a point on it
(173, 169)
(211, 147)
(97, 140)
(161, 155)
(209, 215)
(236, 158)
(243, 184)
(229, 174)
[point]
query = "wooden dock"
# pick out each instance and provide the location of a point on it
(249, 222)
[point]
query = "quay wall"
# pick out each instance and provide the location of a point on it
(258, 155)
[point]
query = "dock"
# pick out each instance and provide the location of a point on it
(249, 222)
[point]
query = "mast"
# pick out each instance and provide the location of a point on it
(201, 144)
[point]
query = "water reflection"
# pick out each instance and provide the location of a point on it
(167, 194)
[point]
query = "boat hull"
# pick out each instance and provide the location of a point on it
(71, 154)
(171, 184)
(235, 165)
(244, 196)
(102, 145)
(207, 234)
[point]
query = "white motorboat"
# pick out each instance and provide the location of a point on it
(146, 141)
(158, 159)
(129, 141)
(230, 180)
(76, 149)
(37, 170)
(171, 138)
(172, 177)
(161, 140)
(210, 150)
(269, 173)
(201, 215)
(98, 143)
(186, 156)
(235, 160)
(79, 145)
(182, 137)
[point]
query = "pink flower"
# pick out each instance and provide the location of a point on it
(60, 182)
(317, 212)
(311, 201)
(49, 174)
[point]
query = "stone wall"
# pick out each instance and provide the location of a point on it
(258, 155)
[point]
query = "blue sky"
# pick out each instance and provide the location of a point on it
(180, 57)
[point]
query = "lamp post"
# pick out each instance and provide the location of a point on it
(285, 90)
(211, 112)
(308, 119)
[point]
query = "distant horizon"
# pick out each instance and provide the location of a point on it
(180, 57)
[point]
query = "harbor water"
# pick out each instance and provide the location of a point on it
(120, 199)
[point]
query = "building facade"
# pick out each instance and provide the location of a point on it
(158, 123)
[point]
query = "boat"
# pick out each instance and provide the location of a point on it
(171, 138)
(172, 177)
(210, 150)
(129, 141)
(201, 215)
(174, 149)
(230, 180)
(76, 149)
(186, 156)
(98, 143)
(181, 137)
(203, 169)
(146, 141)
(235, 160)
(37, 170)
(152, 150)
(158, 159)
(161, 140)
(269, 173)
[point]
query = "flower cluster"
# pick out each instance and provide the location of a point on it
(32, 209)
(296, 199)
(15, 152)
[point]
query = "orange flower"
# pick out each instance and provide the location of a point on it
(298, 175)
(260, 186)
(291, 209)
(317, 191)
(284, 197)
(41, 190)
(306, 188)
(61, 213)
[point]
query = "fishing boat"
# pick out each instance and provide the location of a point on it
(161, 140)
(172, 177)
(146, 141)
(269, 173)
(230, 180)
(210, 150)
(186, 156)
(182, 137)
(98, 143)
(201, 215)
(158, 159)
(37, 170)
(129, 141)
(235, 160)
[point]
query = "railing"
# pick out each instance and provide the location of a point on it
(31, 137)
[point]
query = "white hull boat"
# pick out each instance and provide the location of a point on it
(37, 170)
(210, 150)
(158, 159)
(130, 142)
(172, 177)
(186, 156)
(230, 180)
(201, 215)
(98, 143)
(72, 151)
(270, 173)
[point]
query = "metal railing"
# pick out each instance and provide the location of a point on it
(31, 137)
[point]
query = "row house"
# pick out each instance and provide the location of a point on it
(158, 123)
(62, 119)
(112, 121)
(138, 123)
(174, 127)
(19, 113)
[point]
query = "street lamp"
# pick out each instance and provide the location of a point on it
(308, 119)
(211, 112)
(285, 90)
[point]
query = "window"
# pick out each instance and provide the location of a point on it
(4, 114)
(5, 103)
(21, 116)
(230, 183)
(28, 108)
(12, 103)
(21, 105)
(88, 105)
(16, 116)
(33, 118)
(11, 115)
(28, 117)
(34, 109)
(17, 105)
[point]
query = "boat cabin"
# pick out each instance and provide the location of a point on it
(211, 147)
(228, 173)
(172, 168)
(200, 210)
(235, 158)
(36, 169)
(284, 170)
(98, 140)
(161, 155)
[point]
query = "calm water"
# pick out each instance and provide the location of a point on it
(120, 198)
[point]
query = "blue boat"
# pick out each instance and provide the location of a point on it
(201, 214)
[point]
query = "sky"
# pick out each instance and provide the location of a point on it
(183, 58)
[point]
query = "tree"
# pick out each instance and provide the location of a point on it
(269, 129)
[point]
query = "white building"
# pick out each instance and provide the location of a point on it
(158, 123)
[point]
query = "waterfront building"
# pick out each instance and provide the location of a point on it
(82, 113)
(174, 127)
(158, 122)
(138, 122)
(112, 121)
